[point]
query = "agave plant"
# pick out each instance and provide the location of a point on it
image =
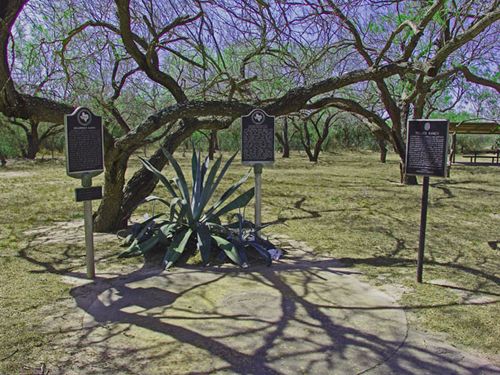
(192, 215)
(244, 235)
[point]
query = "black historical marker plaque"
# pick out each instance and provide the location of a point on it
(88, 193)
(84, 143)
(257, 138)
(427, 147)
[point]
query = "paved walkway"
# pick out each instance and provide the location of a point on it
(303, 315)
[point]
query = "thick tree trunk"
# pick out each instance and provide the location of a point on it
(317, 150)
(144, 182)
(310, 155)
(108, 217)
(286, 140)
(33, 144)
(383, 150)
(286, 150)
(3, 160)
(283, 139)
(33, 140)
(406, 179)
(213, 144)
(400, 148)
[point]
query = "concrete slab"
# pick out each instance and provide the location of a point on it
(303, 315)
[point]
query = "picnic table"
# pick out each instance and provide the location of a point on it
(493, 154)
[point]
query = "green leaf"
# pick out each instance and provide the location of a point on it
(263, 252)
(153, 198)
(149, 244)
(174, 213)
(147, 226)
(229, 249)
(239, 202)
(227, 194)
(196, 175)
(127, 241)
(181, 180)
(208, 188)
(195, 162)
(183, 213)
(177, 247)
(204, 242)
(168, 229)
(223, 172)
(130, 250)
(185, 203)
(140, 248)
(160, 176)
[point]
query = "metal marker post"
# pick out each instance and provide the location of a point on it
(423, 224)
(257, 168)
(89, 230)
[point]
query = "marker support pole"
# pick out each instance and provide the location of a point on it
(257, 168)
(423, 224)
(89, 230)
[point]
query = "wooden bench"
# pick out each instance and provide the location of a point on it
(483, 154)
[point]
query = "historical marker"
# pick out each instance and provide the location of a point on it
(84, 143)
(257, 138)
(426, 155)
(85, 159)
(257, 149)
(427, 148)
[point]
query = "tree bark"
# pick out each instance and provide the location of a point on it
(383, 150)
(124, 200)
(213, 144)
(108, 217)
(143, 182)
(33, 141)
(286, 140)
(382, 143)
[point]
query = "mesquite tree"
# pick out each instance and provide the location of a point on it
(283, 137)
(314, 129)
(445, 39)
(159, 71)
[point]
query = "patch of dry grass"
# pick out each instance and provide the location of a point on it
(348, 206)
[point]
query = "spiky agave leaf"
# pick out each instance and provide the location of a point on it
(197, 198)
(181, 179)
(207, 188)
(238, 202)
(138, 248)
(196, 177)
(230, 250)
(262, 251)
(222, 173)
(177, 247)
(159, 175)
(204, 242)
(230, 191)
(154, 198)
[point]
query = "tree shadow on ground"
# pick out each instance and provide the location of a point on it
(343, 343)
(312, 327)
(386, 261)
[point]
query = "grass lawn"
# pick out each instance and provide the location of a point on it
(348, 206)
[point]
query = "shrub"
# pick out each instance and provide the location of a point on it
(189, 218)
